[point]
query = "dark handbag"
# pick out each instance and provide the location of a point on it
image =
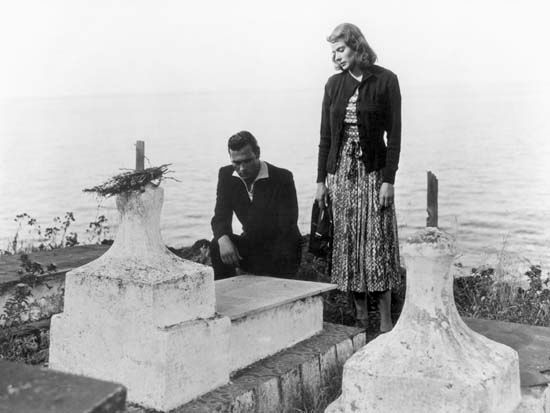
(320, 236)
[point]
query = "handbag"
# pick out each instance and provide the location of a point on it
(320, 235)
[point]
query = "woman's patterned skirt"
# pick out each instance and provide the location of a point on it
(365, 254)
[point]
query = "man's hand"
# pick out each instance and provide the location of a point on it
(386, 194)
(322, 195)
(229, 253)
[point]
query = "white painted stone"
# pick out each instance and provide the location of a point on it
(162, 368)
(261, 334)
(246, 294)
(534, 400)
(268, 314)
(141, 316)
(431, 361)
(175, 289)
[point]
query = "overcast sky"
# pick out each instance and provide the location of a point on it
(76, 47)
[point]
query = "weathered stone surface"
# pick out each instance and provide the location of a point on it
(162, 368)
(142, 316)
(269, 331)
(29, 389)
(269, 395)
(311, 380)
(244, 403)
(268, 314)
(291, 390)
(344, 351)
(244, 295)
(431, 361)
(359, 341)
(266, 377)
(329, 366)
(138, 275)
(534, 400)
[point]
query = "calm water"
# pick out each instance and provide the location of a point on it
(489, 148)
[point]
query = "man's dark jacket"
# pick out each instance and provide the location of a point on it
(378, 111)
(270, 239)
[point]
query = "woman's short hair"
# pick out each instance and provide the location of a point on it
(354, 39)
(240, 140)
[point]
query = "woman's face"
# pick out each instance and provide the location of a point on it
(343, 55)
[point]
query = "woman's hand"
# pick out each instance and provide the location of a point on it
(386, 195)
(322, 195)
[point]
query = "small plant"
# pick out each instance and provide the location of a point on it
(98, 230)
(132, 181)
(16, 305)
(56, 235)
(30, 267)
(482, 296)
(29, 348)
(25, 225)
(71, 239)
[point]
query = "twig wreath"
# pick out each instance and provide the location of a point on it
(132, 181)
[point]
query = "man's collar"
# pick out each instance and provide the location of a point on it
(263, 173)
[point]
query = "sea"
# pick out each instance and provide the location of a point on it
(488, 145)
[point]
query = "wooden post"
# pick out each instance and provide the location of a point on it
(431, 221)
(140, 155)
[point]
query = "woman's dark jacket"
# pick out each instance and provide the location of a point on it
(378, 111)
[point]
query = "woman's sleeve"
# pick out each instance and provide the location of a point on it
(324, 144)
(393, 131)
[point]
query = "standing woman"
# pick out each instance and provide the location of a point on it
(356, 170)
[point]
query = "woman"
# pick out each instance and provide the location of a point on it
(356, 170)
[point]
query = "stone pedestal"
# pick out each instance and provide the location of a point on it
(431, 361)
(141, 316)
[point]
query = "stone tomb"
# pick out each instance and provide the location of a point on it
(158, 324)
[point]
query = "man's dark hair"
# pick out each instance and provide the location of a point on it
(241, 139)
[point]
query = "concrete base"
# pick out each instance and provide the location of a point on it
(268, 314)
(161, 367)
(151, 326)
(533, 400)
(533, 346)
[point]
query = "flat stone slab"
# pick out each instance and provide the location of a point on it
(31, 389)
(531, 342)
(243, 295)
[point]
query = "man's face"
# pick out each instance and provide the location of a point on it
(245, 162)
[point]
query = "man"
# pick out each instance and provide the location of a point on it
(263, 197)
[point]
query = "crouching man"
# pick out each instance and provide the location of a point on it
(263, 197)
